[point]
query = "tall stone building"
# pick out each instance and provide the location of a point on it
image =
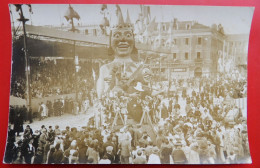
(182, 49)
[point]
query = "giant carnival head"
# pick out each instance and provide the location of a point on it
(121, 39)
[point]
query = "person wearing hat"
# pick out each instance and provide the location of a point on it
(51, 134)
(154, 157)
(57, 130)
(135, 108)
(92, 152)
(50, 159)
(28, 132)
(104, 160)
(165, 151)
(178, 155)
(43, 138)
(139, 158)
(19, 159)
(82, 149)
(125, 147)
(74, 158)
(58, 154)
(65, 159)
(38, 158)
(109, 154)
(108, 143)
(193, 156)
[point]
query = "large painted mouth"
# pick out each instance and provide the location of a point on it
(123, 45)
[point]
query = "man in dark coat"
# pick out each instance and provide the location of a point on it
(178, 154)
(30, 151)
(28, 132)
(58, 154)
(135, 109)
(36, 137)
(82, 158)
(11, 134)
(38, 158)
(65, 159)
(51, 135)
(9, 152)
(165, 151)
(109, 154)
(18, 122)
(139, 159)
(108, 143)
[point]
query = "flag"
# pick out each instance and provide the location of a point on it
(151, 25)
(103, 7)
(71, 13)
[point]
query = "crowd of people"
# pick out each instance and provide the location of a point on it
(50, 108)
(54, 77)
(68, 105)
(195, 123)
(137, 118)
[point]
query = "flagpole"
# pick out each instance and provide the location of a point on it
(27, 60)
(69, 16)
(76, 68)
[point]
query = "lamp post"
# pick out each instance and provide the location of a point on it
(26, 56)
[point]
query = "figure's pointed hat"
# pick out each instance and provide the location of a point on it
(120, 18)
(119, 22)
(128, 21)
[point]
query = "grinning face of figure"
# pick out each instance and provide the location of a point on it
(122, 41)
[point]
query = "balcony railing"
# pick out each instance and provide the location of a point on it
(198, 60)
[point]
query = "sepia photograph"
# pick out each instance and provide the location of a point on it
(128, 84)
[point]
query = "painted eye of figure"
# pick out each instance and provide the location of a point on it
(116, 35)
(128, 34)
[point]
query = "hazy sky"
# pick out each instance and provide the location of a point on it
(234, 19)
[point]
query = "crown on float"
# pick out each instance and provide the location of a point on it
(120, 23)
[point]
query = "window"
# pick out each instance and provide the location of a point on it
(174, 41)
(186, 41)
(164, 27)
(86, 31)
(174, 55)
(187, 26)
(198, 55)
(94, 32)
(199, 40)
(186, 55)
(163, 42)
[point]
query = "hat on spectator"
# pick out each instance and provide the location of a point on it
(155, 149)
(37, 132)
(19, 142)
(114, 139)
(139, 152)
(109, 149)
(67, 153)
(232, 123)
(178, 143)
